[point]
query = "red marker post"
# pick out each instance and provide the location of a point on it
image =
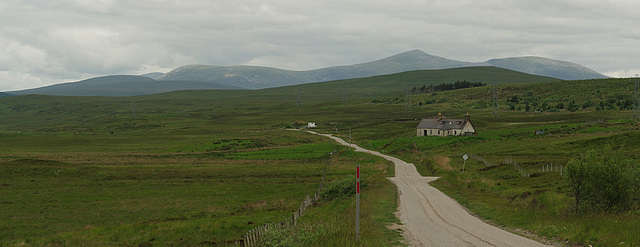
(357, 203)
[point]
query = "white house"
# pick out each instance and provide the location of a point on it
(441, 126)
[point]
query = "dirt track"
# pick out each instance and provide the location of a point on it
(431, 218)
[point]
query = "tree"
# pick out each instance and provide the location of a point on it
(572, 106)
(577, 174)
(514, 99)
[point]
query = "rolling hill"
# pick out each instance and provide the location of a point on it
(547, 67)
(256, 77)
(5, 95)
(121, 85)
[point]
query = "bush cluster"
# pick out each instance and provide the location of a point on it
(341, 189)
(603, 181)
(446, 86)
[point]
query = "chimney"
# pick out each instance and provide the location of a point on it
(467, 118)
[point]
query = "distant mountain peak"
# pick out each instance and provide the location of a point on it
(414, 52)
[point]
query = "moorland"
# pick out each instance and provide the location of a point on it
(204, 167)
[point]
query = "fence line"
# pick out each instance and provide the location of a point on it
(252, 237)
(549, 167)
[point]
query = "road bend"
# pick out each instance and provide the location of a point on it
(432, 218)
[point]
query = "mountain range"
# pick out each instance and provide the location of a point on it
(257, 77)
(254, 77)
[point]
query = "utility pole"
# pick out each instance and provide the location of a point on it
(407, 99)
(133, 112)
(494, 107)
(357, 203)
(344, 93)
(636, 100)
(299, 100)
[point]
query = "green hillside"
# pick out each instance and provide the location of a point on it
(545, 97)
(121, 85)
(5, 95)
(391, 85)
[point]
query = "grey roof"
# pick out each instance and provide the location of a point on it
(443, 124)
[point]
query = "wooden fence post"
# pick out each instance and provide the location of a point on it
(253, 236)
(250, 242)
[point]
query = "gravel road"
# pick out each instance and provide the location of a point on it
(431, 218)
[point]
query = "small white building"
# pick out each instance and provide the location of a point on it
(311, 125)
(441, 126)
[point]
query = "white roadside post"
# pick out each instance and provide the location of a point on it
(465, 157)
(358, 203)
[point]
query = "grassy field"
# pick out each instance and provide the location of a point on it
(176, 198)
(203, 167)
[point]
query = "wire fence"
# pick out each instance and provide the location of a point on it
(252, 237)
(544, 168)
(526, 172)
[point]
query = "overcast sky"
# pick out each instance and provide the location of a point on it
(43, 42)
